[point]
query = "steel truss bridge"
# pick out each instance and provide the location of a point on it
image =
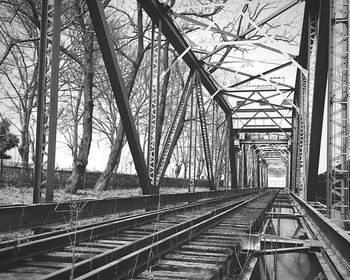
(261, 117)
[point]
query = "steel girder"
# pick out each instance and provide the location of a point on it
(158, 13)
(338, 133)
(118, 87)
(233, 153)
(265, 141)
(319, 95)
(299, 159)
(45, 144)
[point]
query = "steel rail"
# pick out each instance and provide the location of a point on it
(53, 241)
(139, 253)
(334, 238)
(32, 216)
(43, 235)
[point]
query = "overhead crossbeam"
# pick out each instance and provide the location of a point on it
(259, 24)
(265, 130)
(268, 110)
(279, 67)
(265, 141)
(246, 75)
(159, 13)
(152, 156)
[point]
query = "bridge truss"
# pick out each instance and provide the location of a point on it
(259, 117)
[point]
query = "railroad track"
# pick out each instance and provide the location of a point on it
(215, 252)
(54, 255)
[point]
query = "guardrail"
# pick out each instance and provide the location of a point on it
(35, 216)
(336, 236)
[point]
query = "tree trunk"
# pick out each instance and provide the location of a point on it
(200, 167)
(113, 160)
(81, 160)
(23, 150)
(177, 170)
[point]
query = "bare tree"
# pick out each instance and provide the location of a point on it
(85, 34)
(135, 59)
(18, 71)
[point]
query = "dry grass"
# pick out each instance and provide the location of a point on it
(13, 195)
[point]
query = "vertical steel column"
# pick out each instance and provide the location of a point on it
(195, 147)
(338, 106)
(294, 174)
(289, 167)
(204, 129)
(245, 166)
(152, 157)
(213, 144)
(38, 169)
(215, 150)
(55, 61)
(232, 136)
(193, 117)
(320, 46)
(241, 166)
(258, 171)
(299, 96)
(227, 151)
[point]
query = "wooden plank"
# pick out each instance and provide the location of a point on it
(124, 238)
(19, 276)
(116, 243)
(215, 238)
(64, 256)
(212, 249)
(84, 249)
(221, 232)
(190, 267)
(205, 254)
(215, 244)
(135, 232)
(55, 265)
(166, 274)
(32, 269)
(98, 245)
(195, 259)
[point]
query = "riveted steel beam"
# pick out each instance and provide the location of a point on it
(159, 13)
(118, 87)
(320, 85)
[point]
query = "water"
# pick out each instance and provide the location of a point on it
(291, 266)
(288, 266)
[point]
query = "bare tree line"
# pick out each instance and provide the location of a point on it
(87, 110)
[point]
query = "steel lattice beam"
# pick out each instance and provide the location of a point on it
(159, 13)
(303, 59)
(320, 84)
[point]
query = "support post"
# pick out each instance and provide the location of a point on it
(338, 133)
(55, 61)
(152, 152)
(40, 103)
(319, 96)
(232, 152)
